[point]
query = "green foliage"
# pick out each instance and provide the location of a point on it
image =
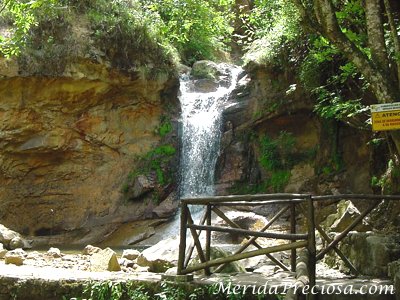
(130, 36)
(278, 180)
(272, 24)
(277, 154)
(23, 16)
(165, 127)
(196, 28)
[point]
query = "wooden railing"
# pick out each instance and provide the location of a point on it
(303, 203)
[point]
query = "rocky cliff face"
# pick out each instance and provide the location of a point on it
(67, 144)
(274, 142)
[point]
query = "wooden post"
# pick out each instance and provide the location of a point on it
(182, 242)
(293, 230)
(311, 247)
(191, 246)
(208, 233)
(197, 243)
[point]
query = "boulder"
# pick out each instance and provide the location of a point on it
(168, 207)
(54, 252)
(345, 215)
(90, 250)
(161, 256)
(369, 252)
(130, 254)
(15, 257)
(218, 252)
(205, 69)
(11, 239)
(104, 260)
(2, 251)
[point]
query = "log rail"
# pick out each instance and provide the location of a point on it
(294, 203)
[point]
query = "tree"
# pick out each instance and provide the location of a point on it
(376, 64)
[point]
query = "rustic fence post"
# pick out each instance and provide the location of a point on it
(311, 247)
(182, 243)
(293, 230)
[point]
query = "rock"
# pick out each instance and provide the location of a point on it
(2, 251)
(54, 252)
(204, 86)
(369, 252)
(218, 252)
(11, 239)
(104, 260)
(345, 215)
(394, 274)
(15, 257)
(90, 250)
(168, 207)
(299, 176)
(16, 242)
(161, 256)
(130, 254)
(141, 186)
(205, 69)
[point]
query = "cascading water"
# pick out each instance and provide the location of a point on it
(201, 131)
(201, 134)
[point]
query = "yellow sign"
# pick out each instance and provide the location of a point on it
(385, 116)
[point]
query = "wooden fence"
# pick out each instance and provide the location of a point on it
(294, 203)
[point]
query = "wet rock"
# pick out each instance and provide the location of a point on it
(90, 250)
(161, 256)
(205, 69)
(130, 254)
(204, 86)
(104, 260)
(54, 252)
(2, 251)
(168, 207)
(15, 257)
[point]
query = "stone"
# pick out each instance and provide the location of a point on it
(130, 254)
(141, 186)
(205, 69)
(161, 256)
(16, 242)
(218, 252)
(168, 207)
(15, 257)
(345, 215)
(12, 239)
(90, 250)
(394, 274)
(2, 251)
(369, 252)
(104, 260)
(54, 252)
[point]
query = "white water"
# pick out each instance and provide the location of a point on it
(201, 133)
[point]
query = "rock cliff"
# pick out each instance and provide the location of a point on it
(68, 142)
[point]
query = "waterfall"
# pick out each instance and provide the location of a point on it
(201, 130)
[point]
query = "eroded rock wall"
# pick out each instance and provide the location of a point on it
(67, 144)
(327, 157)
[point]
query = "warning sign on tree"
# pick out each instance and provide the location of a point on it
(385, 116)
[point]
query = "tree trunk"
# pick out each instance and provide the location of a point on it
(395, 36)
(376, 36)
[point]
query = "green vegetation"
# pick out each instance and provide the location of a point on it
(113, 290)
(198, 29)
